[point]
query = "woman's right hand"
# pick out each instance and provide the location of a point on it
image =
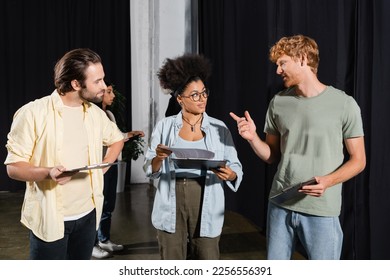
(162, 152)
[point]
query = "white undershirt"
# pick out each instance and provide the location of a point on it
(77, 193)
(190, 173)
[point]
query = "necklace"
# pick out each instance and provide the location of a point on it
(193, 125)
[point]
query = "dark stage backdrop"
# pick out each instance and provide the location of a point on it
(353, 37)
(35, 34)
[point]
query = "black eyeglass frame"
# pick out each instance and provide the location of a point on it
(196, 96)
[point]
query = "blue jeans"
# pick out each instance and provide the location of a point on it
(77, 243)
(322, 237)
(109, 192)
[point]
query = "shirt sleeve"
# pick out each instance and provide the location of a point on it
(156, 139)
(352, 120)
(270, 126)
(111, 132)
(21, 138)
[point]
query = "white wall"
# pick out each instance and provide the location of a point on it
(158, 31)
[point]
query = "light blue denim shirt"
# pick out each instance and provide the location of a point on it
(218, 140)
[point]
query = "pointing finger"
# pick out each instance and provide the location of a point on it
(234, 116)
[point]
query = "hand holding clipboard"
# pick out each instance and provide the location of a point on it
(291, 191)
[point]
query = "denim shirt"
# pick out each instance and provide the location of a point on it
(218, 140)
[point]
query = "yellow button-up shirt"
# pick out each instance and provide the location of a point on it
(36, 136)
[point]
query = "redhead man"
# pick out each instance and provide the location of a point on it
(307, 127)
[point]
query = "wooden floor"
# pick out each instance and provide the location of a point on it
(131, 226)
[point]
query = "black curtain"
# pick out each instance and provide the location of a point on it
(353, 37)
(35, 34)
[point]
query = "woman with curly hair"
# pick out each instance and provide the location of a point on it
(189, 203)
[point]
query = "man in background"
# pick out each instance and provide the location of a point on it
(104, 246)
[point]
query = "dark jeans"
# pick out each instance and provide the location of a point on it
(77, 243)
(109, 192)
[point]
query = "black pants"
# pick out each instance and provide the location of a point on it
(109, 192)
(77, 243)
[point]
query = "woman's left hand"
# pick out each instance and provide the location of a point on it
(225, 173)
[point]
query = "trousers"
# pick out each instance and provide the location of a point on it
(77, 243)
(186, 242)
(109, 192)
(321, 237)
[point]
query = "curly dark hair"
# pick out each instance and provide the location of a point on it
(175, 74)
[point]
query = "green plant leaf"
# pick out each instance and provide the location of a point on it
(134, 147)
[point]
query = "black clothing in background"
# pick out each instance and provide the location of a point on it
(34, 34)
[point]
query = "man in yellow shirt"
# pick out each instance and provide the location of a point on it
(56, 133)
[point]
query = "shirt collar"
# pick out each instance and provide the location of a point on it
(59, 105)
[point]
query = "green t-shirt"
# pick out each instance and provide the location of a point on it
(311, 133)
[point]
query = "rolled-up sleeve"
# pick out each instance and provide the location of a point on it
(21, 138)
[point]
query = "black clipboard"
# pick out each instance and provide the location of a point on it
(197, 163)
(89, 167)
(291, 192)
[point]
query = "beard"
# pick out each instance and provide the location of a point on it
(90, 97)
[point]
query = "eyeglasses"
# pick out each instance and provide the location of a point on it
(196, 96)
